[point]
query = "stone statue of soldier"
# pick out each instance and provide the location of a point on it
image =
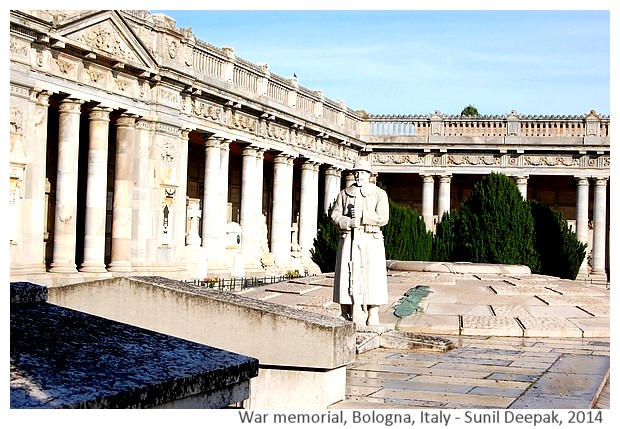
(360, 279)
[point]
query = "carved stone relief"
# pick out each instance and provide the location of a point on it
(277, 132)
(167, 171)
(244, 122)
(563, 161)
(106, 38)
(205, 110)
(19, 48)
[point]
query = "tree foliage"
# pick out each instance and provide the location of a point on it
(494, 225)
(560, 252)
(445, 237)
(325, 243)
(470, 110)
(406, 237)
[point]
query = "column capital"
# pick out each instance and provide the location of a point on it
(445, 178)
(333, 171)
(582, 181)
(310, 165)
(42, 97)
(521, 180)
(126, 120)
(213, 142)
(283, 158)
(99, 113)
(249, 151)
(427, 177)
(70, 105)
(185, 133)
(600, 181)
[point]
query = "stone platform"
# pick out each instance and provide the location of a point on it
(519, 340)
(469, 299)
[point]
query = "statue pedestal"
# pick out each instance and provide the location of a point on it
(196, 261)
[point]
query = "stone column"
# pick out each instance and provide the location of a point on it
(600, 225)
(349, 179)
(259, 230)
(122, 214)
(33, 255)
(66, 187)
(223, 195)
(210, 201)
(145, 199)
(248, 214)
(521, 182)
(443, 202)
(428, 189)
(308, 207)
(96, 191)
(582, 216)
(332, 186)
(282, 207)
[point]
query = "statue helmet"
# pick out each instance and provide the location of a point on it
(363, 165)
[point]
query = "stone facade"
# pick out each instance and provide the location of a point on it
(135, 147)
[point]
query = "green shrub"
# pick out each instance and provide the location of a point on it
(561, 253)
(406, 236)
(326, 244)
(494, 225)
(445, 237)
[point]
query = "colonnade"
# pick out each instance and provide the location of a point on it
(147, 216)
(146, 213)
(599, 220)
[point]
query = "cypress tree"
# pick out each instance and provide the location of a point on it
(444, 240)
(496, 225)
(561, 253)
(325, 245)
(406, 237)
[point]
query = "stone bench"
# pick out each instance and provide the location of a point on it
(64, 358)
(302, 355)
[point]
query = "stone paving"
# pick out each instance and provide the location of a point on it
(522, 340)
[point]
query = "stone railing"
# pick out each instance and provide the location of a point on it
(223, 64)
(592, 127)
(256, 82)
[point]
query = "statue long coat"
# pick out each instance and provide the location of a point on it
(366, 276)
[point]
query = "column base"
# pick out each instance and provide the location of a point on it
(120, 267)
(61, 268)
(93, 267)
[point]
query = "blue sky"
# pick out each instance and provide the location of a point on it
(537, 62)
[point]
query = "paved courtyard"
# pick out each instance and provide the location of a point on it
(520, 340)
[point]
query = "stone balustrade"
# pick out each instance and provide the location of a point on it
(592, 129)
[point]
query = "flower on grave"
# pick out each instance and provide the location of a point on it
(211, 281)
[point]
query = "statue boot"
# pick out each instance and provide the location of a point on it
(373, 315)
(345, 312)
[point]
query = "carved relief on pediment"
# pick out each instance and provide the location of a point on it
(105, 37)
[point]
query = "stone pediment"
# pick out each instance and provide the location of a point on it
(106, 34)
